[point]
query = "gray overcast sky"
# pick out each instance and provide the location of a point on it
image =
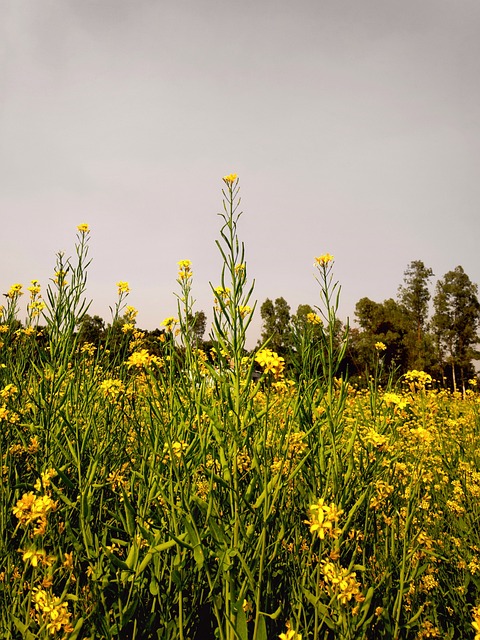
(354, 126)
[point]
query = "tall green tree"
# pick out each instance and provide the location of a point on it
(414, 295)
(456, 322)
(381, 322)
(276, 324)
(91, 329)
(197, 323)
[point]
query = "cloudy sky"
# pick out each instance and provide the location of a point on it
(354, 126)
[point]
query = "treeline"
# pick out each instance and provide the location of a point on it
(416, 330)
(437, 334)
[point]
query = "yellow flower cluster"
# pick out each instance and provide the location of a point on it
(314, 318)
(44, 481)
(36, 307)
(476, 621)
(394, 399)
(418, 379)
(271, 362)
(34, 509)
(230, 179)
(15, 291)
(324, 260)
(51, 612)
(324, 519)
(34, 288)
(185, 271)
(8, 391)
(380, 346)
(83, 228)
(112, 388)
(244, 310)
(177, 449)
(123, 287)
(141, 359)
(290, 634)
(36, 557)
(341, 583)
(169, 323)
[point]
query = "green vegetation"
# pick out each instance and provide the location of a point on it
(154, 489)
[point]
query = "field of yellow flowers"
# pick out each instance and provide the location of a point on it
(181, 496)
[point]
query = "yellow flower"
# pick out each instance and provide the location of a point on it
(324, 519)
(83, 228)
(33, 556)
(112, 388)
(15, 291)
(123, 287)
(177, 449)
(290, 633)
(380, 346)
(244, 310)
(68, 563)
(313, 318)
(230, 179)
(185, 271)
(271, 362)
(476, 622)
(169, 323)
(139, 359)
(323, 260)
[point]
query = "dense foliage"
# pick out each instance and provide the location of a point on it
(153, 490)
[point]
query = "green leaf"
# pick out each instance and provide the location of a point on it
(241, 625)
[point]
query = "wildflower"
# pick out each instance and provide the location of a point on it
(83, 228)
(89, 348)
(313, 318)
(244, 310)
(123, 287)
(169, 323)
(68, 562)
(342, 583)
(393, 398)
(33, 556)
(223, 292)
(8, 391)
(130, 313)
(324, 519)
(44, 480)
(418, 379)
(51, 611)
(380, 346)
(230, 179)
(34, 509)
(185, 271)
(290, 633)
(34, 288)
(112, 388)
(60, 278)
(322, 261)
(177, 449)
(476, 621)
(139, 359)
(271, 362)
(15, 291)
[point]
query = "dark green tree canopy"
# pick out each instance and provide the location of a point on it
(456, 319)
(276, 324)
(414, 294)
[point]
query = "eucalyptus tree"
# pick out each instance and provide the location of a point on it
(456, 322)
